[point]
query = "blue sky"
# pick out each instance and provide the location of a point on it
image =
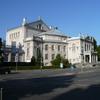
(70, 16)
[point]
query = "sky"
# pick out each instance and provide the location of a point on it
(70, 16)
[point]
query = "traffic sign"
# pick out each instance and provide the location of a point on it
(16, 58)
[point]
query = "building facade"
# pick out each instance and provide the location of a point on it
(37, 35)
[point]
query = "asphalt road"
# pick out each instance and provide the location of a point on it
(52, 84)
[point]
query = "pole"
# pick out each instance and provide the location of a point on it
(1, 93)
(16, 66)
(16, 59)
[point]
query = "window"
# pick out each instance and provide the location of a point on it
(73, 47)
(64, 48)
(53, 56)
(58, 47)
(10, 36)
(46, 47)
(46, 56)
(85, 47)
(65, 56)
(73, 60)
(16, 34)
(89, 47)
(39, 26)
(27, 51)
(52, 47)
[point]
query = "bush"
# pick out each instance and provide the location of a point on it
(32, 67)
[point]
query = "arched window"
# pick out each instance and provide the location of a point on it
(58, 47)
(64, 48)
(46, 47)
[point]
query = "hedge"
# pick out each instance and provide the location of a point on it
(36, 67)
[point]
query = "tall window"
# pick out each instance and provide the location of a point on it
(46, 47)
(58, 47)
(85, 47)
(65, 56)
(27, 51)
(52, 47)
(10, 35)
(89, 47)
(73, 47)
(53, 56)
(16, 34)
(64, 48)
(46, 56)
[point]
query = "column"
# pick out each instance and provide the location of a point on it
(9, 57)
(93, 58)
(96, 58)
(90, 58)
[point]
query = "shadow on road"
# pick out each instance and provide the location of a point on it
(90, 93)
(24, 88)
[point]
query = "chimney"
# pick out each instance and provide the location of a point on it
(55, 28)
(24, 21)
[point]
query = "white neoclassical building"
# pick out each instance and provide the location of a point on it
(51, 42)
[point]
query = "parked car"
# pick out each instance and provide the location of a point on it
(5, 70)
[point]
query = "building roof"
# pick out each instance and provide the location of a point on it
(27, 24)
(52, 32)
(55, 41)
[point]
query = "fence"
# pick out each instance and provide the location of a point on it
(1, 90)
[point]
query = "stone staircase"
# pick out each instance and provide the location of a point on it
(86, 65)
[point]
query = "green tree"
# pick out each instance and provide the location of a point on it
(39, 57)
(95, 44)
(33, 62)
(98, 52)
(59, 60)
(1, 52)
